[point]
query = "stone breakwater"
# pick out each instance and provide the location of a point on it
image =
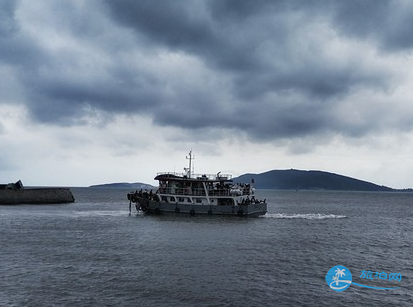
(36, 196)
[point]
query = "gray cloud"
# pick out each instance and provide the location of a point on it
(387, 23)
(269, 68)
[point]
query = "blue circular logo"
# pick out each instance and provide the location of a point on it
(338, 278)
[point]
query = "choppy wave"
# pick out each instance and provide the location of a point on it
(308, 216)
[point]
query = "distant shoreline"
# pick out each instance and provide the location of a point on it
(124, 185)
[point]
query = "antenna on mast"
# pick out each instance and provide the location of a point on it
(189, 169)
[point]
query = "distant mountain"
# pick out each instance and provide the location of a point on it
(124, 185)
(308, 180)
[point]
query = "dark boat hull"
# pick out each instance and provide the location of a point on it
(157, 207)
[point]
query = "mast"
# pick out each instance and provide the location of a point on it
(190, 158)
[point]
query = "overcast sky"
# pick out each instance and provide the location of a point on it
(95, 91)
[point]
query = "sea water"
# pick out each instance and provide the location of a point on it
(95, 253)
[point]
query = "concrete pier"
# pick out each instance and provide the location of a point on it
(36, 196)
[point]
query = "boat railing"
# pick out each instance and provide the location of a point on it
(194, 191)
(218, 192)
(171, 173)
(218, 176)
(182, 191)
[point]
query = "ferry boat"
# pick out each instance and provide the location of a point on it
(188, 193)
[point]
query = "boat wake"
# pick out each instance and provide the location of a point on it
(308, 216)
(100, 213)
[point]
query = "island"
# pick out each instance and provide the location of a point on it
(293, 179)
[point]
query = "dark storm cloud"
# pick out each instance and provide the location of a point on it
(66, 86)
(388, 23)
(68, 99)
(259, 43)
(272, 68)
(187, 26)
(175, 23)
(14, 49)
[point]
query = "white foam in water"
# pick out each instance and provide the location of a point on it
(308, 216)
(101, 213)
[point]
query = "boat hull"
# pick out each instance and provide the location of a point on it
(157, 207)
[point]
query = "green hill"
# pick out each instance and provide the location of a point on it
(308, 180)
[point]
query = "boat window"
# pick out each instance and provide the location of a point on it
(199, 200)
(172, 198)
(163, 198)
(181, 199)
